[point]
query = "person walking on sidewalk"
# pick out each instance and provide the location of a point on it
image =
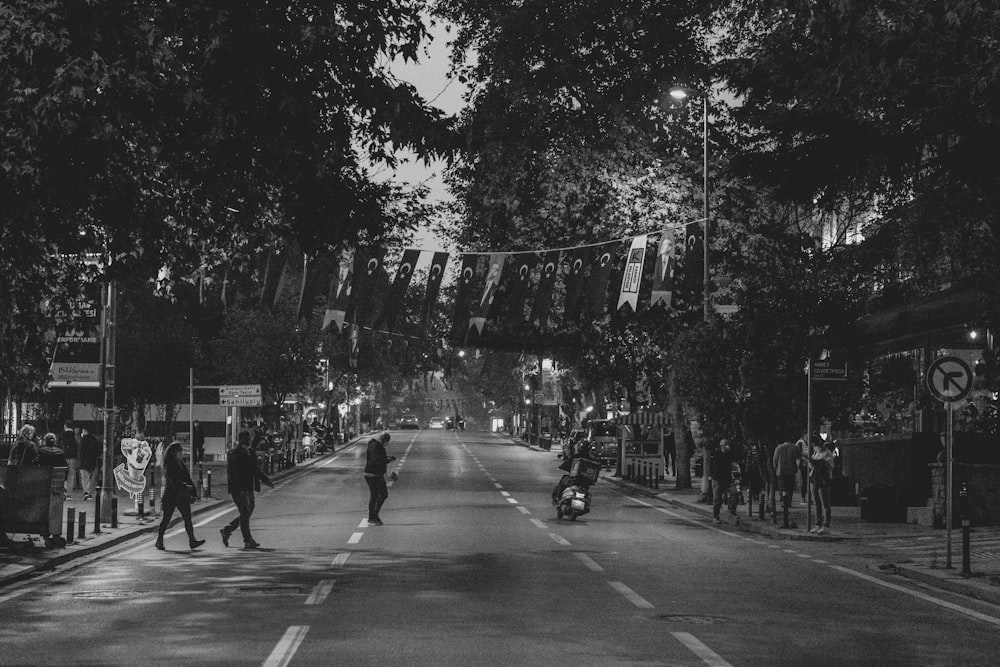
(721, 472)
(820, 479)
(376, 463)
(90, 453)
(177, 495)
(786, 464)
(71, 450)
(25, 449)
(244, 477)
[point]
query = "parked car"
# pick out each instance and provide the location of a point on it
(436, 422)
(409, 421)
(603, 437)
(570, 442)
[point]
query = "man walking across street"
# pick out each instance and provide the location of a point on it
(244, 478)
(786, 464)
(721, 465)
(376, 463)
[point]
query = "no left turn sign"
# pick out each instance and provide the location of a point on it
(949, 379)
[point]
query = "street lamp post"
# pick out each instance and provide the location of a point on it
(680, 94)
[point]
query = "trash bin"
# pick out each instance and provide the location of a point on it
(33, 502)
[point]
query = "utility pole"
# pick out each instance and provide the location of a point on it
(109, 318)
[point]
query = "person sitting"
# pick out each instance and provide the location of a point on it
(580, 451)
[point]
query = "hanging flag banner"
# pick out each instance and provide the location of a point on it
(579, 266)
(518, 286)
(338, 297)
(315, 271)
(353, 345)
(368, 272)
(541, 310)
(464, 294)
(434, 276)
(663, 275)
(693, 263)
(632, 277)
(404, 274)
(493, 273)
(600, 276)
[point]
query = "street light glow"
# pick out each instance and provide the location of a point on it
(679, 94)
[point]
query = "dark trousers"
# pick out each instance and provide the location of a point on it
(377, 495)
(821, 496)
(183, 505)
(244, 502)
(786, 484)
(719, 489)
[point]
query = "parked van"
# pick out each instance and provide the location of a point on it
(603, 437)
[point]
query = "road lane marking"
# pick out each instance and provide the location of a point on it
(355, 538)
(511, 501)
(319, 594)
(631, 595)
(992, 620)
(708, 656)
(675, 515)
(289, 643)
(559, 540)
(588, 561)
(498, 485)
(340, 559)
(523, 510)
(364, 523)
(540, 524)
(505, 493)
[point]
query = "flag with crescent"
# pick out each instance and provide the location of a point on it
(693, 263)
(663, 274)
(434, 276)
(394, 301)
(632, 276)
(580, 260)
(338, 296)
(600, 277)
(519, 278)
(541, 308)
(353, 345)
(481, 309)
(315, 272)
(274, 272)
(464, 291)
(367, 273)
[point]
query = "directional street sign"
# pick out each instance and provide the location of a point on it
(239, 401)
(239, 390)
(829, 370)
(949, 379)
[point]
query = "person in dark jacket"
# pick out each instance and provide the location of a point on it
(376, 463)
(25, 449)
(90, 455)
(177, 494)
(244, 477)
(721, 472)
(50, 455)
(71, 450)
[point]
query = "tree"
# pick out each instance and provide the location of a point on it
(178, 134)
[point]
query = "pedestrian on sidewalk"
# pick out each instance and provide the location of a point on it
(786, 463)
(71, 450)
(376, 463)
(50, 455)
(820, 479)
(25, 449)
(177, 495)
(721, 472)
(243, 476)
(90, 453)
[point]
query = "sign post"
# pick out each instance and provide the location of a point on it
(949, 380)
(238, 395)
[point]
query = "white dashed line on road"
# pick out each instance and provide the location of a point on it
(523, 510)
(588, 561)
(633, 597)
(355, 538)
(708, 656)
(340, 559)
(287, 646)
(559, 539)
(319, 594)
(539, 523)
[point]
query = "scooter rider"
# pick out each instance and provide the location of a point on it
(580, 451)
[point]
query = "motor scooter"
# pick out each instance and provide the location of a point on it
(574, 501)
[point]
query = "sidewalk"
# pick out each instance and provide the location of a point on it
(848, 527)
(24, 560)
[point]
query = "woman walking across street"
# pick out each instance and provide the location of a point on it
(820, 478)
(177, 494)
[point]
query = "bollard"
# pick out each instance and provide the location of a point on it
(97, 512)
(83, 526)
(963, 504)
(208, 491)
(656, 476)
(140, 510)
(114, 511)
(760, 506)
(70, 524)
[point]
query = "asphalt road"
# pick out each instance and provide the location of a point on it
(473, 568)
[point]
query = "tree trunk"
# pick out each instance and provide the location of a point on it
(683, 451)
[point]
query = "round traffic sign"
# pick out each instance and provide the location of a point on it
(949, 379)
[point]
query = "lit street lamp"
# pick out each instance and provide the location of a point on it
(681, 94)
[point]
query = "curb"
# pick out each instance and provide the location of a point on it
(953, 582)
